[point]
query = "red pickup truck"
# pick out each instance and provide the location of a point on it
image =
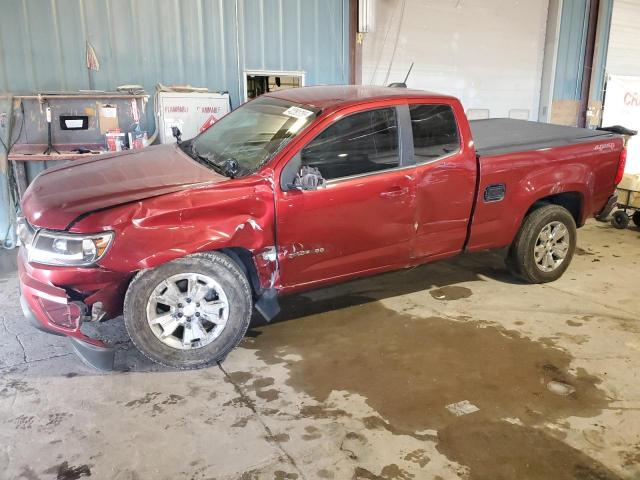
(294, 190)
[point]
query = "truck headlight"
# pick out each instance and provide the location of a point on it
(59, 248)
(25, 232)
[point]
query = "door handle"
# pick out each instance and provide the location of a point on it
(395, 192)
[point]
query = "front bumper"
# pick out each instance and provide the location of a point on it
(61, 310)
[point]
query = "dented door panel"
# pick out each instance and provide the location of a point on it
(349, 227)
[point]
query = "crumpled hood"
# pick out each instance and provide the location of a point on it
(59, 195)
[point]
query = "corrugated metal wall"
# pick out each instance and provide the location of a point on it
(567, 89)
(205, 43)
(571, 49)
(601, 50)
(42, 42)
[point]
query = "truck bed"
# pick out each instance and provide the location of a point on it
(498, 136)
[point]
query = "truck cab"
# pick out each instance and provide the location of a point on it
(399, 176)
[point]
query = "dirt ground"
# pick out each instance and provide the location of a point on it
(451, 370)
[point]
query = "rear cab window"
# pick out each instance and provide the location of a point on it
(435, 131)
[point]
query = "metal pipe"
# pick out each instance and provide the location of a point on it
(241, 77)
(355, 46)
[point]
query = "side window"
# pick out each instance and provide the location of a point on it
(435, 132)
(360, 143)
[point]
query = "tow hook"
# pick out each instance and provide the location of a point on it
(97, 312)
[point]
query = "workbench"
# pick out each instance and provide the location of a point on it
(27, 157)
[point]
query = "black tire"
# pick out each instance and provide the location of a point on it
(636, 218)
(620, 220)
(521, 260)
(215, 265)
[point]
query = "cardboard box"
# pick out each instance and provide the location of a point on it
(108, 118)
(629, 190)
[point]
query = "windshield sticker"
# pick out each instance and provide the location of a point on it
(297, 112)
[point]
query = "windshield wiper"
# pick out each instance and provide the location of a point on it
(204, 160)
(228, 167)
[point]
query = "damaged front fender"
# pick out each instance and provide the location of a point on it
(236, 214)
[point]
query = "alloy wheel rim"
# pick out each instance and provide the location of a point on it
(552, 246)
(187, 311)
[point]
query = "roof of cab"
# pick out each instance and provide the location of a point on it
(334, 96)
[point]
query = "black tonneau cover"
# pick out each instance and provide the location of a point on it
(497, 136)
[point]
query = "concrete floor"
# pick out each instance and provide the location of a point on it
(354, 381)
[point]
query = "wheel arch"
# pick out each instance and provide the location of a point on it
(521, 256)
(243, 257)
(261, 268)
(572, 201)
(245, 260)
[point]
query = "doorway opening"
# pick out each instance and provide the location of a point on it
(257, 82)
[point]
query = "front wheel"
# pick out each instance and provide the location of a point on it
(189, 313)
(544, 246)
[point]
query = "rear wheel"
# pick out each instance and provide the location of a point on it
(189, 313)
(620, 220)
(544, 246)
(636, 218)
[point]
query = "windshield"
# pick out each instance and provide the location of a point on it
(245, 139)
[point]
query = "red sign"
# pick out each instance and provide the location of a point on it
(210, 121)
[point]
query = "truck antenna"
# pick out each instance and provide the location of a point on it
(408, 73)
(403, 84)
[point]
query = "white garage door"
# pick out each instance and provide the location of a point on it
(488, 53)
(623, 57)
(622, 103)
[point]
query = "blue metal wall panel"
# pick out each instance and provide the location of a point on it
(571, 49)
(292, 48)
(207, 43)
(296, 35)
(42, 42)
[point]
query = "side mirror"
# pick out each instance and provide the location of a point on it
(308, 178)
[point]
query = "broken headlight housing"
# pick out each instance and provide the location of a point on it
(25, 232)
(68, 249)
